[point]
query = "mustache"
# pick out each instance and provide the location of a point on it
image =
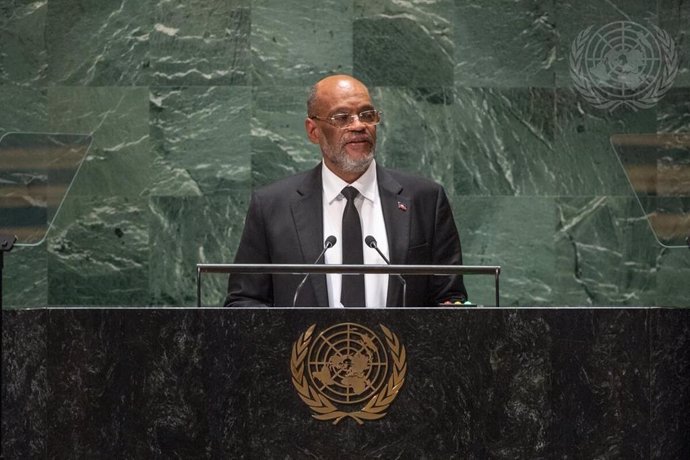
(358, 138)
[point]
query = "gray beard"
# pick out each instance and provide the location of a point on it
(347, 164)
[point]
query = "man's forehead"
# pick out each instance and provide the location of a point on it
(344, 93)
(341, 86)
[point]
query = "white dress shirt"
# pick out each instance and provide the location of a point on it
(368, 204)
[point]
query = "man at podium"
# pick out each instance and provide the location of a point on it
(348, 204)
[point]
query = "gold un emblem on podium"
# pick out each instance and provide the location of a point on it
(348, 371)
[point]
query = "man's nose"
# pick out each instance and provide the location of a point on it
(356, 124)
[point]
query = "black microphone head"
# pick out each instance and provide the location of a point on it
(370, 241)
(330, 242)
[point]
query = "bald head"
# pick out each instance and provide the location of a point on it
(330, 88)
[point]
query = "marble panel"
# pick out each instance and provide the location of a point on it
(504, 142)
(669, 384)
(98, 252)
(536, 383)
(25, 277)
(606, 252)
(672, 278)
(403, 43)
(599, 387)
(417, 133)
(120, 160)
(26, 391)
(124, 372)
(225, 411)
(200, 42)
(674, 18)
(588, 162)
(673, 111)
(299, 42)
(506, 44)
(520, 411)
(434, 417)
(24, 109)
(515, 233)
(533, 383)
(190, 230)
(573, 17)
(279, 142)
(98, 43)
(23, 59)
(201, 138)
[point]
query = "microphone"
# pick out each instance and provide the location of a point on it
(328, 244)
(371, 242)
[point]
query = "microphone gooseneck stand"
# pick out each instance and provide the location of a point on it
(371, 242)
(328, 244)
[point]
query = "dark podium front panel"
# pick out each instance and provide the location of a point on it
(218, 383)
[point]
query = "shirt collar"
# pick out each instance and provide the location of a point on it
(366, 185)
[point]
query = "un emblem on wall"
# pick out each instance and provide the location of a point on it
(623, 64)
(348, 371)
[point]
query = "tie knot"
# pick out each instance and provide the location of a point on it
(350, 192)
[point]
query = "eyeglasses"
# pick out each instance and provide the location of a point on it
(343, 120)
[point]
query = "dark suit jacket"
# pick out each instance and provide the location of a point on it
(284, 225)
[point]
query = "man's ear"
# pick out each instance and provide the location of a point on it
(312, 130)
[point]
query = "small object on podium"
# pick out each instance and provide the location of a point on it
(460, 303)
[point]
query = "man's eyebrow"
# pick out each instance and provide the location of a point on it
(347, 110)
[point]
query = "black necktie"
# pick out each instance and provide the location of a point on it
(352, 293)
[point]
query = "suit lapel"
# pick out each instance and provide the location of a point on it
(307, 212)
(396, 215)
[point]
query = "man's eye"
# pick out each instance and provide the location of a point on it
(340, 118)
(368, 116)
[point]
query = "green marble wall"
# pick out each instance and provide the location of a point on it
(193, 103)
